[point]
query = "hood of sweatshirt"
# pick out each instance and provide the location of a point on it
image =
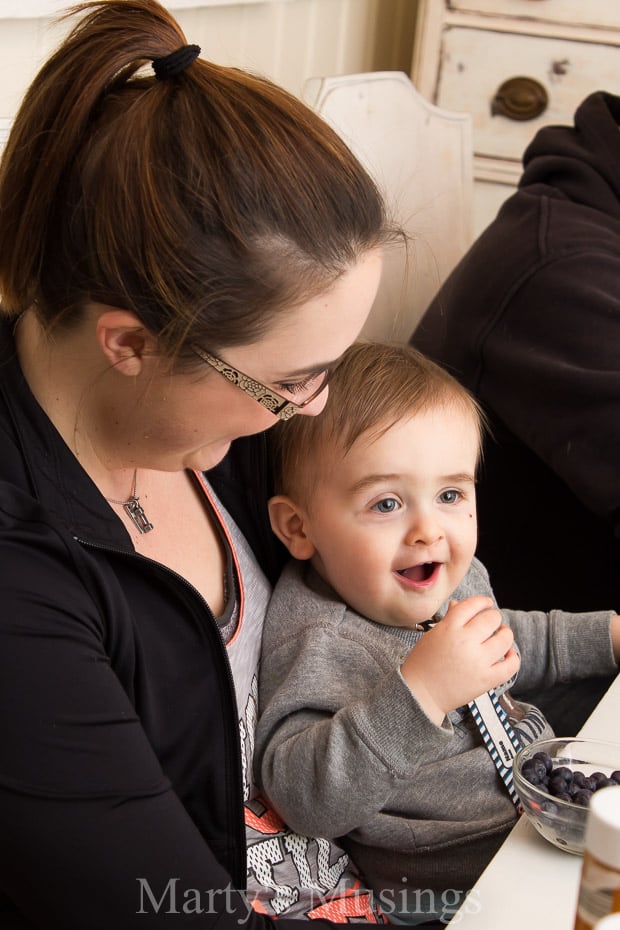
(582, 162)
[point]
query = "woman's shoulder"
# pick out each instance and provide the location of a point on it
(43, 571)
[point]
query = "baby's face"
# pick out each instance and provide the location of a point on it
(394, 524)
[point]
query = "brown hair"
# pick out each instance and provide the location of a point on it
(374, 385)
(205, 203)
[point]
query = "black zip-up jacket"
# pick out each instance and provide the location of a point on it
(530, 322)
(120, 779)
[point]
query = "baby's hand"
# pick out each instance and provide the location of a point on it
(467, 653)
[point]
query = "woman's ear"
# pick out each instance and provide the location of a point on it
(288, 521)
(124, 340)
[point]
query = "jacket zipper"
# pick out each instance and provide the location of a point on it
(240, 856)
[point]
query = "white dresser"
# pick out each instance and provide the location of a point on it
(515, 66)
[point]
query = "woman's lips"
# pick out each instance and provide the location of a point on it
(422, 575)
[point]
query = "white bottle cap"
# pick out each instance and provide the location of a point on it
(610, 922)
(602, 837)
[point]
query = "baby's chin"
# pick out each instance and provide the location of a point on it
(410, 616)
(403, 619)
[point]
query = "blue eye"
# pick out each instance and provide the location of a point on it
(451, 496)
(387, 505)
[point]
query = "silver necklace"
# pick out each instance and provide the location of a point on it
(133, 507)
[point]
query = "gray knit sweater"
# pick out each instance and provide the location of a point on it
(344, 750)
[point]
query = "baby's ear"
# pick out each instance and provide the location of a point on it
(288, 521)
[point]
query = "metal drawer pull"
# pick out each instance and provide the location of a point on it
(520, 98)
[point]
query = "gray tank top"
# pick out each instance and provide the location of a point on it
(288, 874)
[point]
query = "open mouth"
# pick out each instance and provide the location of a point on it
(423, 573)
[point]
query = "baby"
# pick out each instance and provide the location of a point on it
(383, 638)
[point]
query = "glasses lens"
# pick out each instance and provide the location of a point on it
(316, 386)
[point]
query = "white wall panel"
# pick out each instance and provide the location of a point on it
(286, 40)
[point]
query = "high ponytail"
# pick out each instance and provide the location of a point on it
(205, 202)
(104, 49)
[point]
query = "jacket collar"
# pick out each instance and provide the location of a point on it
(36, 459)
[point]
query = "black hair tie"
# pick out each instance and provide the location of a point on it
(170, 65)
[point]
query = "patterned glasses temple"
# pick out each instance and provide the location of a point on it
(280, 406)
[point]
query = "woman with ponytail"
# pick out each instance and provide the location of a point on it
(185, 252)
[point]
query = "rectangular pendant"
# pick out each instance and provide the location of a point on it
(134, 510)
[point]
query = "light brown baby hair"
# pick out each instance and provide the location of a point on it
(375, 385)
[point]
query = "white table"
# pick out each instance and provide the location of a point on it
(530, 884)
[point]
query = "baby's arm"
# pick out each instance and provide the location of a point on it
(467, 653)
(338, 730)
(559, 646)
(343, 721)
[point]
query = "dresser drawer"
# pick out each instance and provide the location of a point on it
(574, 12)
(476, 63)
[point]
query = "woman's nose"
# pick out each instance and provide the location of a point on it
(315, 406)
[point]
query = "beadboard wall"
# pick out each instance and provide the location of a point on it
(285, 40)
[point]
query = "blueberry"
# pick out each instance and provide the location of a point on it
(579, 779)
(549, 807)
(596, 777)
(534, 771)
(606, 783)
(557, 785)
(564, 796)
(616, 776)
(540, 769)
(582, 797)
(546, 759)
(563, 772)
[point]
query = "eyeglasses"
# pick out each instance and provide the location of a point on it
(283, 408)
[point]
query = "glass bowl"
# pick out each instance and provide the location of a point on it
(562, 822)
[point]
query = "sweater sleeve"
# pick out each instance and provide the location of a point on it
(339, 728)
(556, 646)
(560, 646)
